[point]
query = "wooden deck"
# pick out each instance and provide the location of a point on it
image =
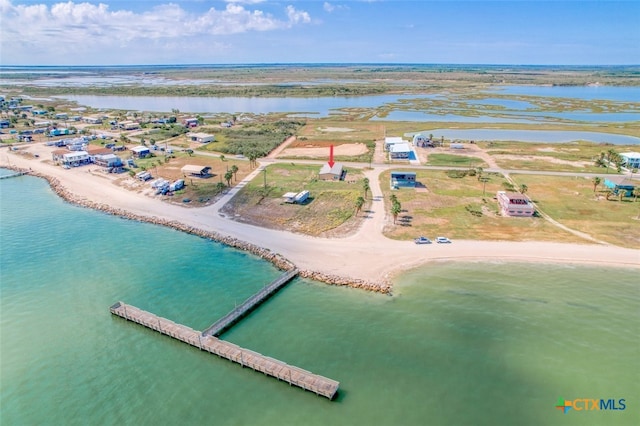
(272, 367)
(248, 305)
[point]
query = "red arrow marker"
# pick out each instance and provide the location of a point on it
(331, 162)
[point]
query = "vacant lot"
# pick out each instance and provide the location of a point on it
(330, 206)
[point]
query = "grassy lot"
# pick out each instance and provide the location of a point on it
(573, 202)
(330, 205)
(455, 161)
(576, 156)
(457, 208)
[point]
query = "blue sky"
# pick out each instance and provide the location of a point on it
(114, 32)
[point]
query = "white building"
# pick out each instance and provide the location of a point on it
(399, 151)
(201, 137)
(631, 159)
(514, 204)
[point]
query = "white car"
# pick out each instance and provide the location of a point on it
(442, 240)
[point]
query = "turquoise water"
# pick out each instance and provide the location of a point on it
(464, 343)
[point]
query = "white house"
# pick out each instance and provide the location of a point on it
(140, 151)
(389, 141)
(399, 151)
(201, 137)
(76, 158)
(631, 159)
(514, 204)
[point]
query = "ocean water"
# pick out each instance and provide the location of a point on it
(458, 343)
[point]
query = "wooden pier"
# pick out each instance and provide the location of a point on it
(248, 305)
(246, 358)
(13, 175)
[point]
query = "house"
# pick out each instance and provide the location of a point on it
(190, 122)
(144, 176)
(92, 120)
(197, 171)
(62, 116)
(140, 151)
(4, 124)
(514, 204)
(201, 137)
(60, 132)
(42, 124)
(403, 180)
(422, 141)
(335, 172)
(39, 112)
(75, 158)
(456, 145)
(94, 151)
(620, 183)
(56, 155)
(631, 160)
(111, 162)
(129, 125)
(399, 151)
(392, 140)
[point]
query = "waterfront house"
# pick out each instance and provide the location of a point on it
(75, 158)
(194, 170)
(620, 183)
(422, 141)
(140, 151)
(403, 180)
(631, 160)
(335, 172)
(515, 204)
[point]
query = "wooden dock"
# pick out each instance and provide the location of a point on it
(13, 175)
(246, 358)
(217, 328)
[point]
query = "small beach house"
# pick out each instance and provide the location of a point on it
(631, 160)
(196, 171)
(620, 183)
(201, 137)
(514, 204)
(328, 172)
(140, 151)
(403, 180)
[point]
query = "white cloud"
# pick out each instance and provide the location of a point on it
(329, 7)
(70, 28)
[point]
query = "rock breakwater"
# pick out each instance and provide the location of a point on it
(276, 259)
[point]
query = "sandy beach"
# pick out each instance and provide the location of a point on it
(366, 255)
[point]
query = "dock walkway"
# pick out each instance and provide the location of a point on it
(13, 175)
(246, 358)
(248, 305)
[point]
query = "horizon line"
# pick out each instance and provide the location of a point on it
(316, 63)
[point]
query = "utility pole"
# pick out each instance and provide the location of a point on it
(265, 178)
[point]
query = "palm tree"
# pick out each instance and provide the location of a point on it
(479, 171)
(365, 186)
(395, 211)
(228, 176)
(219, 186)
(523, 188)
(359, 204)
(636, 193)
(221, 157)
(596, 181)
(234, 170)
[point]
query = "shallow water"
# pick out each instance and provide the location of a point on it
(459, 343)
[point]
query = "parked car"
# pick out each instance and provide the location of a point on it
(442, 240)
(422, 240)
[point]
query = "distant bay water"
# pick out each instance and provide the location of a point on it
(458, 343)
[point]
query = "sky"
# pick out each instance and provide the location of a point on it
(150, 32)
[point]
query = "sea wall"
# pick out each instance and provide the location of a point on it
(276, 259)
